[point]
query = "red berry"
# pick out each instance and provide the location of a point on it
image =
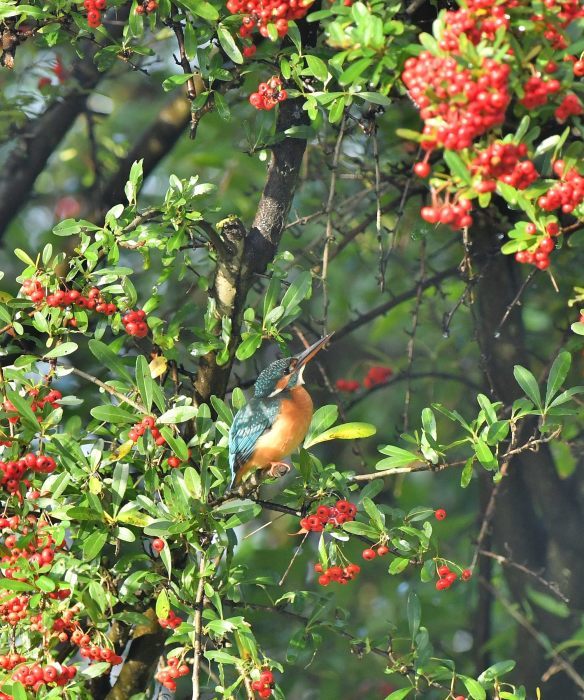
(422, 169)
(382, 550)
(158, 545)
(442, 584)
(443, 570)
(324, 580)
(579, 68)
(440, 514)
(369, 554)
(531, 229)
(466, 575)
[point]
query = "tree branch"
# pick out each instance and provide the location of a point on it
(40, 138)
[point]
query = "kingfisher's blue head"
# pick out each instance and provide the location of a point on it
(286, 373)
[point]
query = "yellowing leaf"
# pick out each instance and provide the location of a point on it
(346, 431)
(123, 450)
(5, 296)
(158, 366)
(95, 485)
(134, 517)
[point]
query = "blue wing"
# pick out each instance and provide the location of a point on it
(249, 424)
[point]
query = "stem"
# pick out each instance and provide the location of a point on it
(198, 624)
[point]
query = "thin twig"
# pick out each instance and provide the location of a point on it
(412, 338)
(505, 561)
(558, 658)
(329, 224)
(109, 389)
(198, 631)
(509, 309)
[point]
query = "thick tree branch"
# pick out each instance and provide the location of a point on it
(33, 147)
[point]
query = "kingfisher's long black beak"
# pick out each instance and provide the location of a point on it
(305, 356)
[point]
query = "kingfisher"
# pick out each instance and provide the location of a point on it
(275, 421)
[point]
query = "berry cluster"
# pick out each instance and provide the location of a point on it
(9, 661)
(568, 195)
(263, 13)
(540, 256)
(457, 104)
(263, 687)
(501, 161)
(135, 323)
(94, 9)
(570, 106)
(537, 91)
(268, 94)
(93, 652)
(347, 385)
(35, 675)
(171, 622)
(376, 375)
(148, 423)
(336, 574)
(370, 553)
(447, 577)
(51, 397)
(341, 512)
(168, 674)
(454, 214)
(38, 546)
(479, 20)
(13, 609)
(12, 473)
(146, 7)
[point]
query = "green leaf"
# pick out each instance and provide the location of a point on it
(374, 513)
(175, 442)
(299, 290)
(457, 167)
(228, 44)
(221, 657)
(375, 97)
(119, 483)
(175, 80)
(144, 381)
(484, 454)
(346, 431)
(475, 689)
(399, 694)
(398, 565)
(497, 670)
(14, 585)
(398, 457)
(45, 584)
(108, 358)
(61, 350)
(558, 373)
(162, 605)
(18, 691)
(317, 67)
(322, 419)
(354, 71)
(546, 602)
(112, 414)
(414, 612)
(95, 670)
(93, 545)
(24, 410)
(528, 383)
(248, 346)
(201, 8)
(179, 414)
(357, 528)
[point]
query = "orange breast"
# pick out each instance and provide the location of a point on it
(288, 431)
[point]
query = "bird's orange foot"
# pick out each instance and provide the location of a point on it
(278, 469)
